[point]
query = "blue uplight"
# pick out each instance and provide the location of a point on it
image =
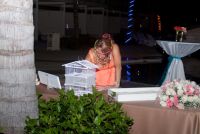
(129, 34)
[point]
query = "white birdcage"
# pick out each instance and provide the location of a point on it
(80, 76)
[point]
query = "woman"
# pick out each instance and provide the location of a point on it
(106, 55)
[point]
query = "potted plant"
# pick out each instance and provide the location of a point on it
(69, 114)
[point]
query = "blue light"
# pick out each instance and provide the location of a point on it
(130, 19)
(129, 34)
(130, 11)
(129, 26)
(131, 6)
(130, 14)
(128, 40)
(128, 66)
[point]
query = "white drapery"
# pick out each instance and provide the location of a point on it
(176, 50)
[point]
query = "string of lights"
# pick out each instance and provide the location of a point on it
(129, 34)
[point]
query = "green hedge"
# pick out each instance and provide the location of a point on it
(88, 114)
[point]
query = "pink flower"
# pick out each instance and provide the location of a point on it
(189, 89)
(175, 100)
(169, 103)
(196, 92)
(188, 86)
(177, 93)
(164, 88)
(179, 28)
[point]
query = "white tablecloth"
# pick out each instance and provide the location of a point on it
(176, 51)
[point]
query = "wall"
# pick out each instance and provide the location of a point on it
(92, 20)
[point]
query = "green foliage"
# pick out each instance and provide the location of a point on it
(88, 114)
(1, 130)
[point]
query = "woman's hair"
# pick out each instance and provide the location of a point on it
(107, 38)
(102, 47)
(101, 42)
(98, 43)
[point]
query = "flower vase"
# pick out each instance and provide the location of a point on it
(179, 36)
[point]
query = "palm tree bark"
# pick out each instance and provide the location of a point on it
(17, 68)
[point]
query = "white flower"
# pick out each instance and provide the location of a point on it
(168, 92)
(179, 86)
(173, 92)
(172, 99)
(186, 91)
(180, 106)
(193, 83)
(184, 98)
(198, 100)
(190, 99)
(162, 103)
(180, 92)
(195, 98)
(164, 97)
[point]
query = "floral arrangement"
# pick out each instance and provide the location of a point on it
(180, 94)
(180, 29)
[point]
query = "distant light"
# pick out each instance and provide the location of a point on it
(159, 23)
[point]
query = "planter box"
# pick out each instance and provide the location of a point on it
(134, 94)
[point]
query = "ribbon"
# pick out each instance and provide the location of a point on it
(164, 75)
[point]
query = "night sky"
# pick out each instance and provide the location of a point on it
(168, 7)
(172, 12)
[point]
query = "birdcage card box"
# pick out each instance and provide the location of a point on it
(79, 91)
(80, 75)
(80, 79)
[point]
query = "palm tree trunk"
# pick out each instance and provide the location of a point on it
(17, 68)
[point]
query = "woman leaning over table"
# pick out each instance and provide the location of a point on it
(106, 55)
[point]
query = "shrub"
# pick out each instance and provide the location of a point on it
(70, 114)
(1, 130)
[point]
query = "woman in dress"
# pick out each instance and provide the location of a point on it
(106, 55)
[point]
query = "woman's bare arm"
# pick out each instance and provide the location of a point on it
(117, 61)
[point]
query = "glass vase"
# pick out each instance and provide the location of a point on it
(179, 36)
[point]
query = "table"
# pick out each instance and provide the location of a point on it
(176, 51)
(151, 118)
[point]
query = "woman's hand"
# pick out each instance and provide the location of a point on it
(116, 84)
